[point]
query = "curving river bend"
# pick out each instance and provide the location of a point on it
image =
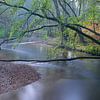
(74, 80)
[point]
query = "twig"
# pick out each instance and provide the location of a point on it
(32, 30)
(70, 8)
(64, 8)
(4, 11)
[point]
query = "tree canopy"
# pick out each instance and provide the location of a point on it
(32, 15)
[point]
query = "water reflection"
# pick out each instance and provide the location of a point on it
(62, 89)
(74, 90)
(34, 51)
(74, 80)
(31, 92)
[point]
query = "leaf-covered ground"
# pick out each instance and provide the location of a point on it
(13, 76)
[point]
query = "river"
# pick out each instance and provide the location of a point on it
(74, 80)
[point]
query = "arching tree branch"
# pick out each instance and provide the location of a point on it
(32, 30)
(87, 29)
(41, 28)
(80, 32)
(15, 6)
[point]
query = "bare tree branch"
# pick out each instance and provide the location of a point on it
(15, 6)
(4, 11)
(53, 60)
(22, 14)
(64, 8)
(70, 7)
(51, 13)
(26, 22)
(6, 40)
(32, 30)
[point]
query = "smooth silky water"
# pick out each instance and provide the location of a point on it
(74, 80)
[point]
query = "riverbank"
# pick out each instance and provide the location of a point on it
(89, 49)
(92, 49)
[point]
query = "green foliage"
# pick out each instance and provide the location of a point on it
(72, 20)
(44, 36)
(8, 1)
(17, 2)
(43, 7)
(46, 4)
(15, 9)
(93, 12)
(54, 52)
(15, 29)
(35, 22)
(35, 5)
(20, 2)
(1, 32)
(93, 49)
(62, 18)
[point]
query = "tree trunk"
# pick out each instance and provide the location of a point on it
(81, 38)
(61, 29)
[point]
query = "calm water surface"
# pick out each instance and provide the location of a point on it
(74, 80)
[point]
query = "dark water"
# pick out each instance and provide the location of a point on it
(74, 80)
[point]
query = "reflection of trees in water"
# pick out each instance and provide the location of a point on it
(53, 53)
(5, 54)
(58, 90)
(96, 69)
(57, 72)
(57, 53)
(73, 90)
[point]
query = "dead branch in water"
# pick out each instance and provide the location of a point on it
(52, 60)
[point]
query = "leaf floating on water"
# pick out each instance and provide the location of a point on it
(13, 76)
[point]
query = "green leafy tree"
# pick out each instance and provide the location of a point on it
(25, 16)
